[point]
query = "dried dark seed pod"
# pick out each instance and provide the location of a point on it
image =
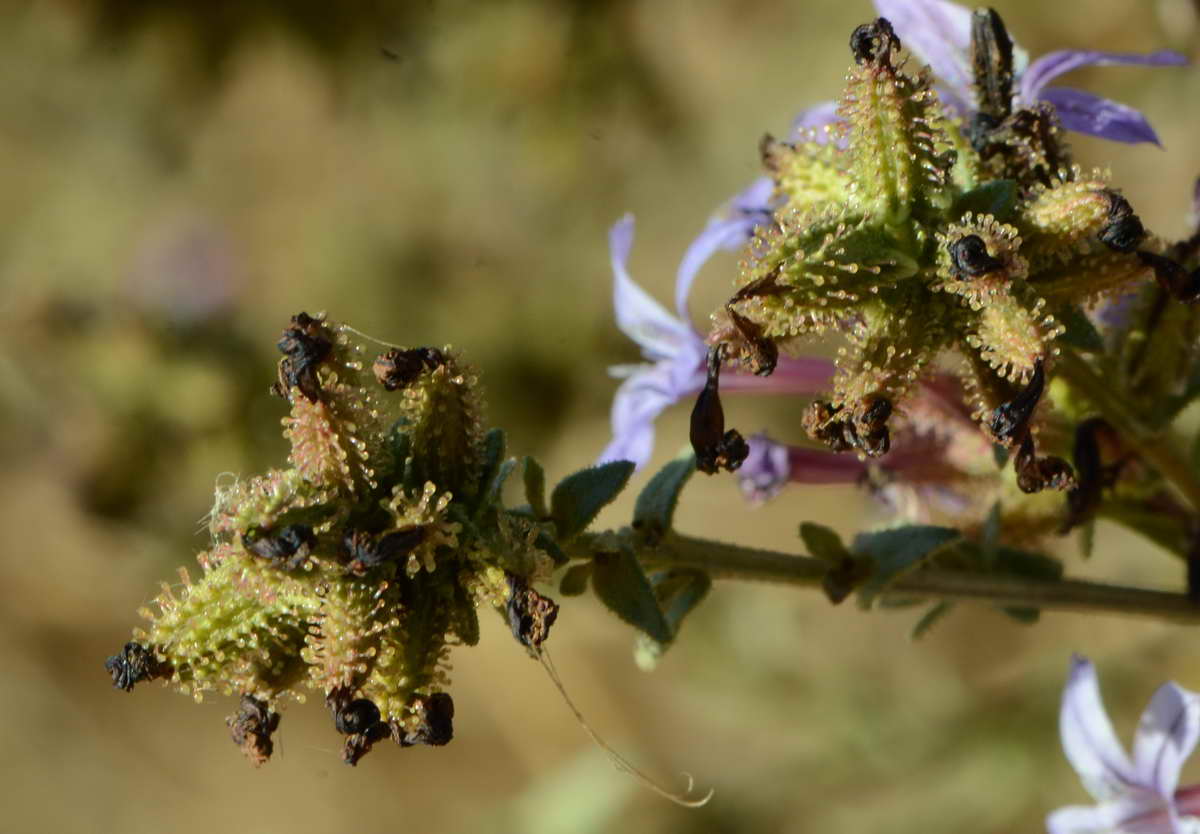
(437, 723)
(1123, 231)
(399, 368)
(971, 259)
(287, 548)
(365, 552)
(305, 344)
(530, 615)
(992, 59)
(715, 447)
(874, 43)
(251, 728)
(360, 744)
(980, 128)
(357, 716)
(1035, 474)
(763, 353)
(134, 664)
(1172, 277)
(820, 422)
(1091, 475)
(1010, 420)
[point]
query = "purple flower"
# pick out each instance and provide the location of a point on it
(770, 466)
(939, 33)
(1134, 796)
(673, 346)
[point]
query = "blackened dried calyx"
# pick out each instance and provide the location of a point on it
(1123, 231)
(436, 725)
(252, 727)
(135, 663)
(866, 431)
(1173, 277)
(992, 60)
(365, 551)
(715, 447)
(305, 344)
(400, 368)
(874, 43)
(530, 615)
(1091, 474)
(971, 259)
(1010, 426)
(287, 548)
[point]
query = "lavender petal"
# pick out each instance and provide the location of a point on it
(1087, 113)
(1053, 64)
(939, 33)
(640, 317)
(1166, 735)
(1088, 738)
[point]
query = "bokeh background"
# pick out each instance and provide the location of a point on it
(178, 178)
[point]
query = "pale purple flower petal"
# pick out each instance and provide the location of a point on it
(1166, 736)
(1053, 64)
(1110, 816)
(771, 465)
(732, 230)
(937, 32)
(1088, 738)
(1086, 113)
(640, 317)
(639, 400)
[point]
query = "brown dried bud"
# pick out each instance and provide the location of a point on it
(715, 447)
(1091, 475)
(992, 59)
(1123, 231)
(305, 344)
(251, 729)
(1010, 420)
(530, 615)
(399, 368)
(1035, 474)
(287, 549)
(1172, 277)
(874, 43)
(135, 664)
(971, 258)
(437, 723)
(364, 552)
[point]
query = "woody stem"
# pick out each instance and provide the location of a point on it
(1153, 447)
(728, 561)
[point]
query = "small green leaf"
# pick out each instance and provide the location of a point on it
(1080, 332)
(493, 455)
(1028, 564)
(491, 495)
(823, 543)
(579, 497)
(466, 619)
(930, 618)
(895, 552)
(998, 197)
(621, 584)
(655, 508)
(535, 487)
(678, 591)
(548, 544)
(575, 581)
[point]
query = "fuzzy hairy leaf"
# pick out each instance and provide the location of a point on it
(823, 543)
(579, 497)
(535, 487)
(622, 585)
(574, 581)
(895, 552)
(654, 511)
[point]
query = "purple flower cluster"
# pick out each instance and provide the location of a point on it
(939, 33)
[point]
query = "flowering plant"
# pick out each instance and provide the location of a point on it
(1017, 348)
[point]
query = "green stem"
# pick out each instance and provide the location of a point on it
(1172, 464)
(729, 561)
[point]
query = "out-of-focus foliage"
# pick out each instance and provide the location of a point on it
(178, 179)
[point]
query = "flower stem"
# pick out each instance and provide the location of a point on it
(729, 561)
(1173, 465)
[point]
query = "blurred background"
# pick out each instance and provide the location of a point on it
(178, 178)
